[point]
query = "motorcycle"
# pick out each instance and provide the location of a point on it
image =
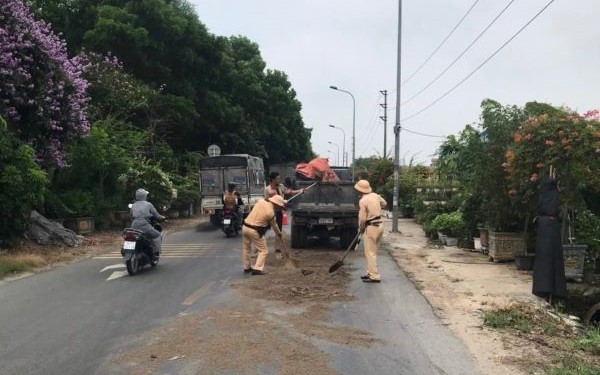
(230, 224)
(137, 250)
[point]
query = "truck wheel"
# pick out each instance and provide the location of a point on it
(299, 236)
(593, 315)
(346, 237)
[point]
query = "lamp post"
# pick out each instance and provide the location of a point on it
(353, 125)
(337, 160)
(397, 126)
(344, 156)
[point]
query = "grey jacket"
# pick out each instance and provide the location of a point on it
(142, 212)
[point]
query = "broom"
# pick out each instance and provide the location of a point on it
(288, 262)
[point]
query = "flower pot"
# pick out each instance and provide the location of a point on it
(588, 275)
(451, 241)
(442, 237)
(524, 262)
(505, 245)
(484, 237)
(80, 225)
(477, 243)
(574, 256)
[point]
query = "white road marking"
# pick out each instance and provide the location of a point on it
(117, 275)
(113, 267)
(184, 250)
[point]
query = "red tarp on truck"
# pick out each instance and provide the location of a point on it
(316, 169)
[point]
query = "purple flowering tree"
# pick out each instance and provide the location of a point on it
(42, 91)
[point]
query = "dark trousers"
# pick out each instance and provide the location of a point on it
(279, 219)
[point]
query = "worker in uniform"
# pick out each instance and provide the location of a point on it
(275, 187)
(256, 225)
(370, 226)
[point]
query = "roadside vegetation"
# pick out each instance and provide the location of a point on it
(98, 98)
(19, 263)
(569, 349)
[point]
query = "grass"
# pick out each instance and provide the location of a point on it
(507, 318)
(572, 366)
(14, 264)
(590, 340)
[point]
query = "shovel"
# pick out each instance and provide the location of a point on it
(352, 246)
(288, 262)
(292, 198)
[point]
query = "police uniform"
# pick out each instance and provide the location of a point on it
(371, 225)
(256, 224)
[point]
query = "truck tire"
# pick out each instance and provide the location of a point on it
(299, 236)
(346, 237)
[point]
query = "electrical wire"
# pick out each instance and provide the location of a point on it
(372, 130)
(480, 65)
(441, 44)
(423, 134)
(460, 55)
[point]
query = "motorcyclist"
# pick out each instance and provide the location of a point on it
(232, 201)
(142, 213)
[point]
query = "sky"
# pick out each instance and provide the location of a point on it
(353, 44)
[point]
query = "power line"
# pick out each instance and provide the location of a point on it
(441, 44)
(461, 54)
(481, 65)
(423, 134)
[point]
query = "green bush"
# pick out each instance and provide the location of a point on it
(587, 230)
(22, 185)
(144, 174)
(451, 224)
(80, 203)
(187, 192)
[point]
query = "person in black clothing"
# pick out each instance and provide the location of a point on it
(549, 281)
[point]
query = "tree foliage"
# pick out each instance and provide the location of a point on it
(208, 89)
(21, 184)
(42, 91)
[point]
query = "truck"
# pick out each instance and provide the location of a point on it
(215, 172)
(327, 210)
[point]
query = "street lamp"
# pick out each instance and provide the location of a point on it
(353, 125)
(344, 156)
(338, 152)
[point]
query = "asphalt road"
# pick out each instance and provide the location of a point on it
(68, 320)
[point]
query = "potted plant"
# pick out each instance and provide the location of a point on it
(456, 228)
(570, 143)
(81, 207)
(440, 224)
(450, 225)
(524, 261)
(475, 159)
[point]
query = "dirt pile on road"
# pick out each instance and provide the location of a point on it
(310, 282)
(283, 318)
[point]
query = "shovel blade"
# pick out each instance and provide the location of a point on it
(335, 266)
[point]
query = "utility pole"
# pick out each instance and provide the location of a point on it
(397, 126)
(384, 118)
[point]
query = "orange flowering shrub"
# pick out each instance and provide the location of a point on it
(566, 140)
